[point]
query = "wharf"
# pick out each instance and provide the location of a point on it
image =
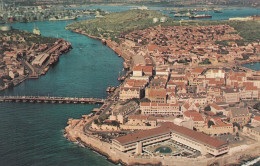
(47, 99)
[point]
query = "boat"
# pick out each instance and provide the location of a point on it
(63, 18)
(200, 16)
(182, 15)
(217, 11)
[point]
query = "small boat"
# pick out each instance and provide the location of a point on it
(200, 16)
(217, 11)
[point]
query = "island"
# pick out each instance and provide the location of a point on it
(26, 55)
(185, 99)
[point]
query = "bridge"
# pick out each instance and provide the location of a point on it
(47, 99)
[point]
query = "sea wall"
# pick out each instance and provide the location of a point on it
(74, 132)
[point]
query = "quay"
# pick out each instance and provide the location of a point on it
(47, 99)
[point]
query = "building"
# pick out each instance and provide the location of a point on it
(139, 120)
(215, 73)
(231, 95)
(40, 59)
(129, 93)
(239, 115)
(196, 119)
(252, 132)
(151, 108)
(169, 131)
(219, 127)
(156, 95)
(217, 109)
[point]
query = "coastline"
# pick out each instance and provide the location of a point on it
(46, 67)
(75, 133)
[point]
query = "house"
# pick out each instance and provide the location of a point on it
(187, 106)
(217, 109)
(215, 126)
(231, 95)
(252, 132)
(196, 118)
(156, 95)
(129, 93)
(151, 108)
(239, 115)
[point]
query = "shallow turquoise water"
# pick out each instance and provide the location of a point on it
(32, 134)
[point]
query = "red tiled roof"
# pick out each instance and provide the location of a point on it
(257, 118)
(216, 106)
(194, 115)
(170, 127)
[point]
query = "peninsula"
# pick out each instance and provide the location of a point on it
(26, 55)
(185, 100)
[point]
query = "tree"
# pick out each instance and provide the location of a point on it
(257, 106)
(115, 123)
(210, 123)
(236, 124)
(208, 108)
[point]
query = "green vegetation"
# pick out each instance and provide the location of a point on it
(205, 62)
(210, 123)
(208, 108)
(25, 38)
(257, 106)
(113, 25)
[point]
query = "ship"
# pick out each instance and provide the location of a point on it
(63, 18)
(217, 11)
(182, 15)
(200, 16)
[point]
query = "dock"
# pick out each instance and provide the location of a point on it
(53, 100)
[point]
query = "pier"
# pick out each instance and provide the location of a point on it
(47, 99)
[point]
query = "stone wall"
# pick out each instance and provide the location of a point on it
(76, 132)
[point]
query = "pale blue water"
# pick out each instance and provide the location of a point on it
(32, 134)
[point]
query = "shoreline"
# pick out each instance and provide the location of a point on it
(45, 68)
(75, 133)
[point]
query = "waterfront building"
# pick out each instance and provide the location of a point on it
(152, 108)
(129, 93)
(239, 115)
(40, 59)
(169, 131)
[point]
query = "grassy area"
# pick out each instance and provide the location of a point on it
(29, 38)
(111, 26)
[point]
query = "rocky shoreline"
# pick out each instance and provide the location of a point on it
(74, 132)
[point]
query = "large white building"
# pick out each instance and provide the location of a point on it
(196, 140)
(150, 108)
